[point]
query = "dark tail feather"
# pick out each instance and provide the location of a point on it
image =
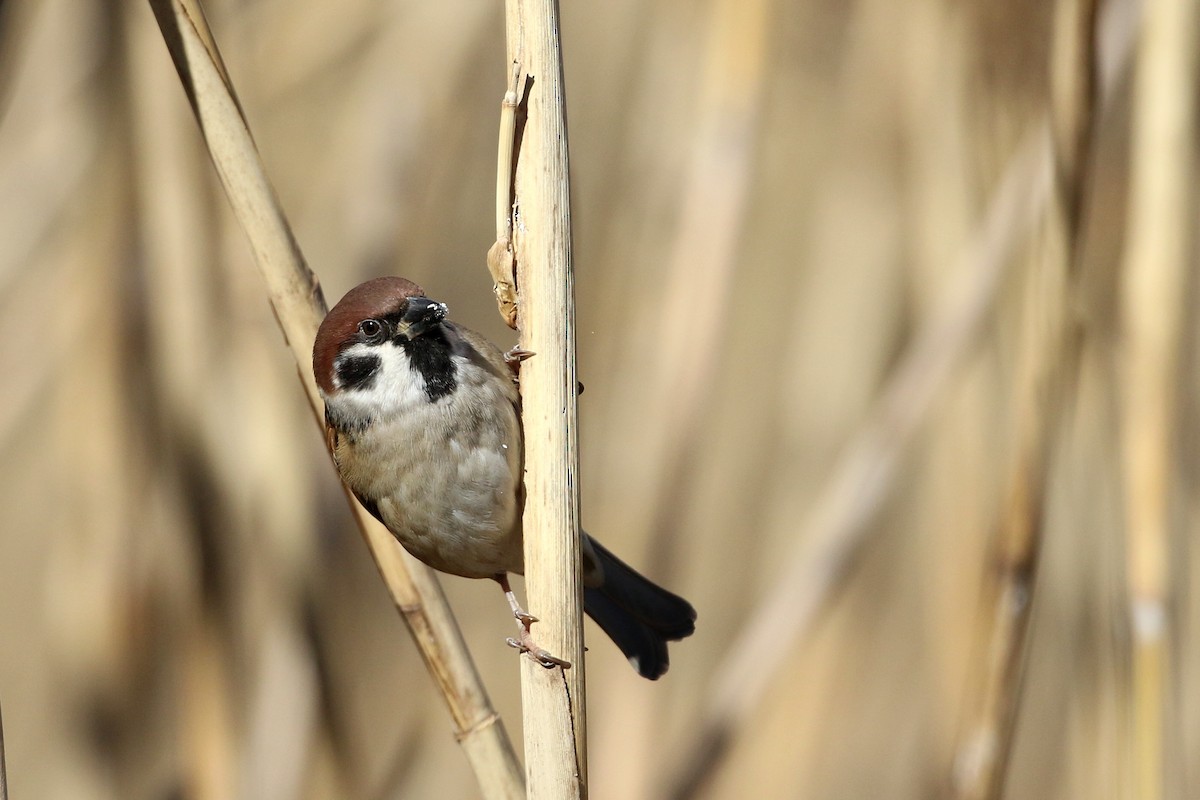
(639, 616)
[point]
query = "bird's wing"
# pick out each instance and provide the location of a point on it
(488, 356)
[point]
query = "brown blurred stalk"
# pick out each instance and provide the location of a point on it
(1161, 220)
(553, 701)
(299, 307)
(178, 236)
(704, 253)
(1049, 357)
(700, 278)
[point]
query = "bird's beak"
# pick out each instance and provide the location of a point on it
(422, 316)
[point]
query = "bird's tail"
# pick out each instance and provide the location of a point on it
(638, 615)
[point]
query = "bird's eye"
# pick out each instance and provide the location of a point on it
(371, 329)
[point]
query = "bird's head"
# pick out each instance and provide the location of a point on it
(380, 344)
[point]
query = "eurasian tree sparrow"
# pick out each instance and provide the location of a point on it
(422, 418)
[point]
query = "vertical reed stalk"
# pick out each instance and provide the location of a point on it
(299, 307)
(1161, 219)
(553, 700)
(1049, 357)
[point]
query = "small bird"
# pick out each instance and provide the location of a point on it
(422, 417)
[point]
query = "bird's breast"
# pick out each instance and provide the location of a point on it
(444, 477)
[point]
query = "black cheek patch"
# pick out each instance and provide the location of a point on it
(356, 372)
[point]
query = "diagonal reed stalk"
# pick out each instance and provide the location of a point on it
(1157, 260)
(553, 701)
(299, 307)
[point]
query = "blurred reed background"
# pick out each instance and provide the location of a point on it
(839, 309)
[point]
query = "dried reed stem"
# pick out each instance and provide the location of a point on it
(553, 700)
(704, 253)
(700, 278)
(299, 307)
(1049, 356)
(1161, 220)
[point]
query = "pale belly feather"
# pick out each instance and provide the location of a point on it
(445, 477)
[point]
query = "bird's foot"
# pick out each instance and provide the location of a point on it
(525, 643)
(516, 355)
(524, 640)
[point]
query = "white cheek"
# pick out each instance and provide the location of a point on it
(396, 386)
